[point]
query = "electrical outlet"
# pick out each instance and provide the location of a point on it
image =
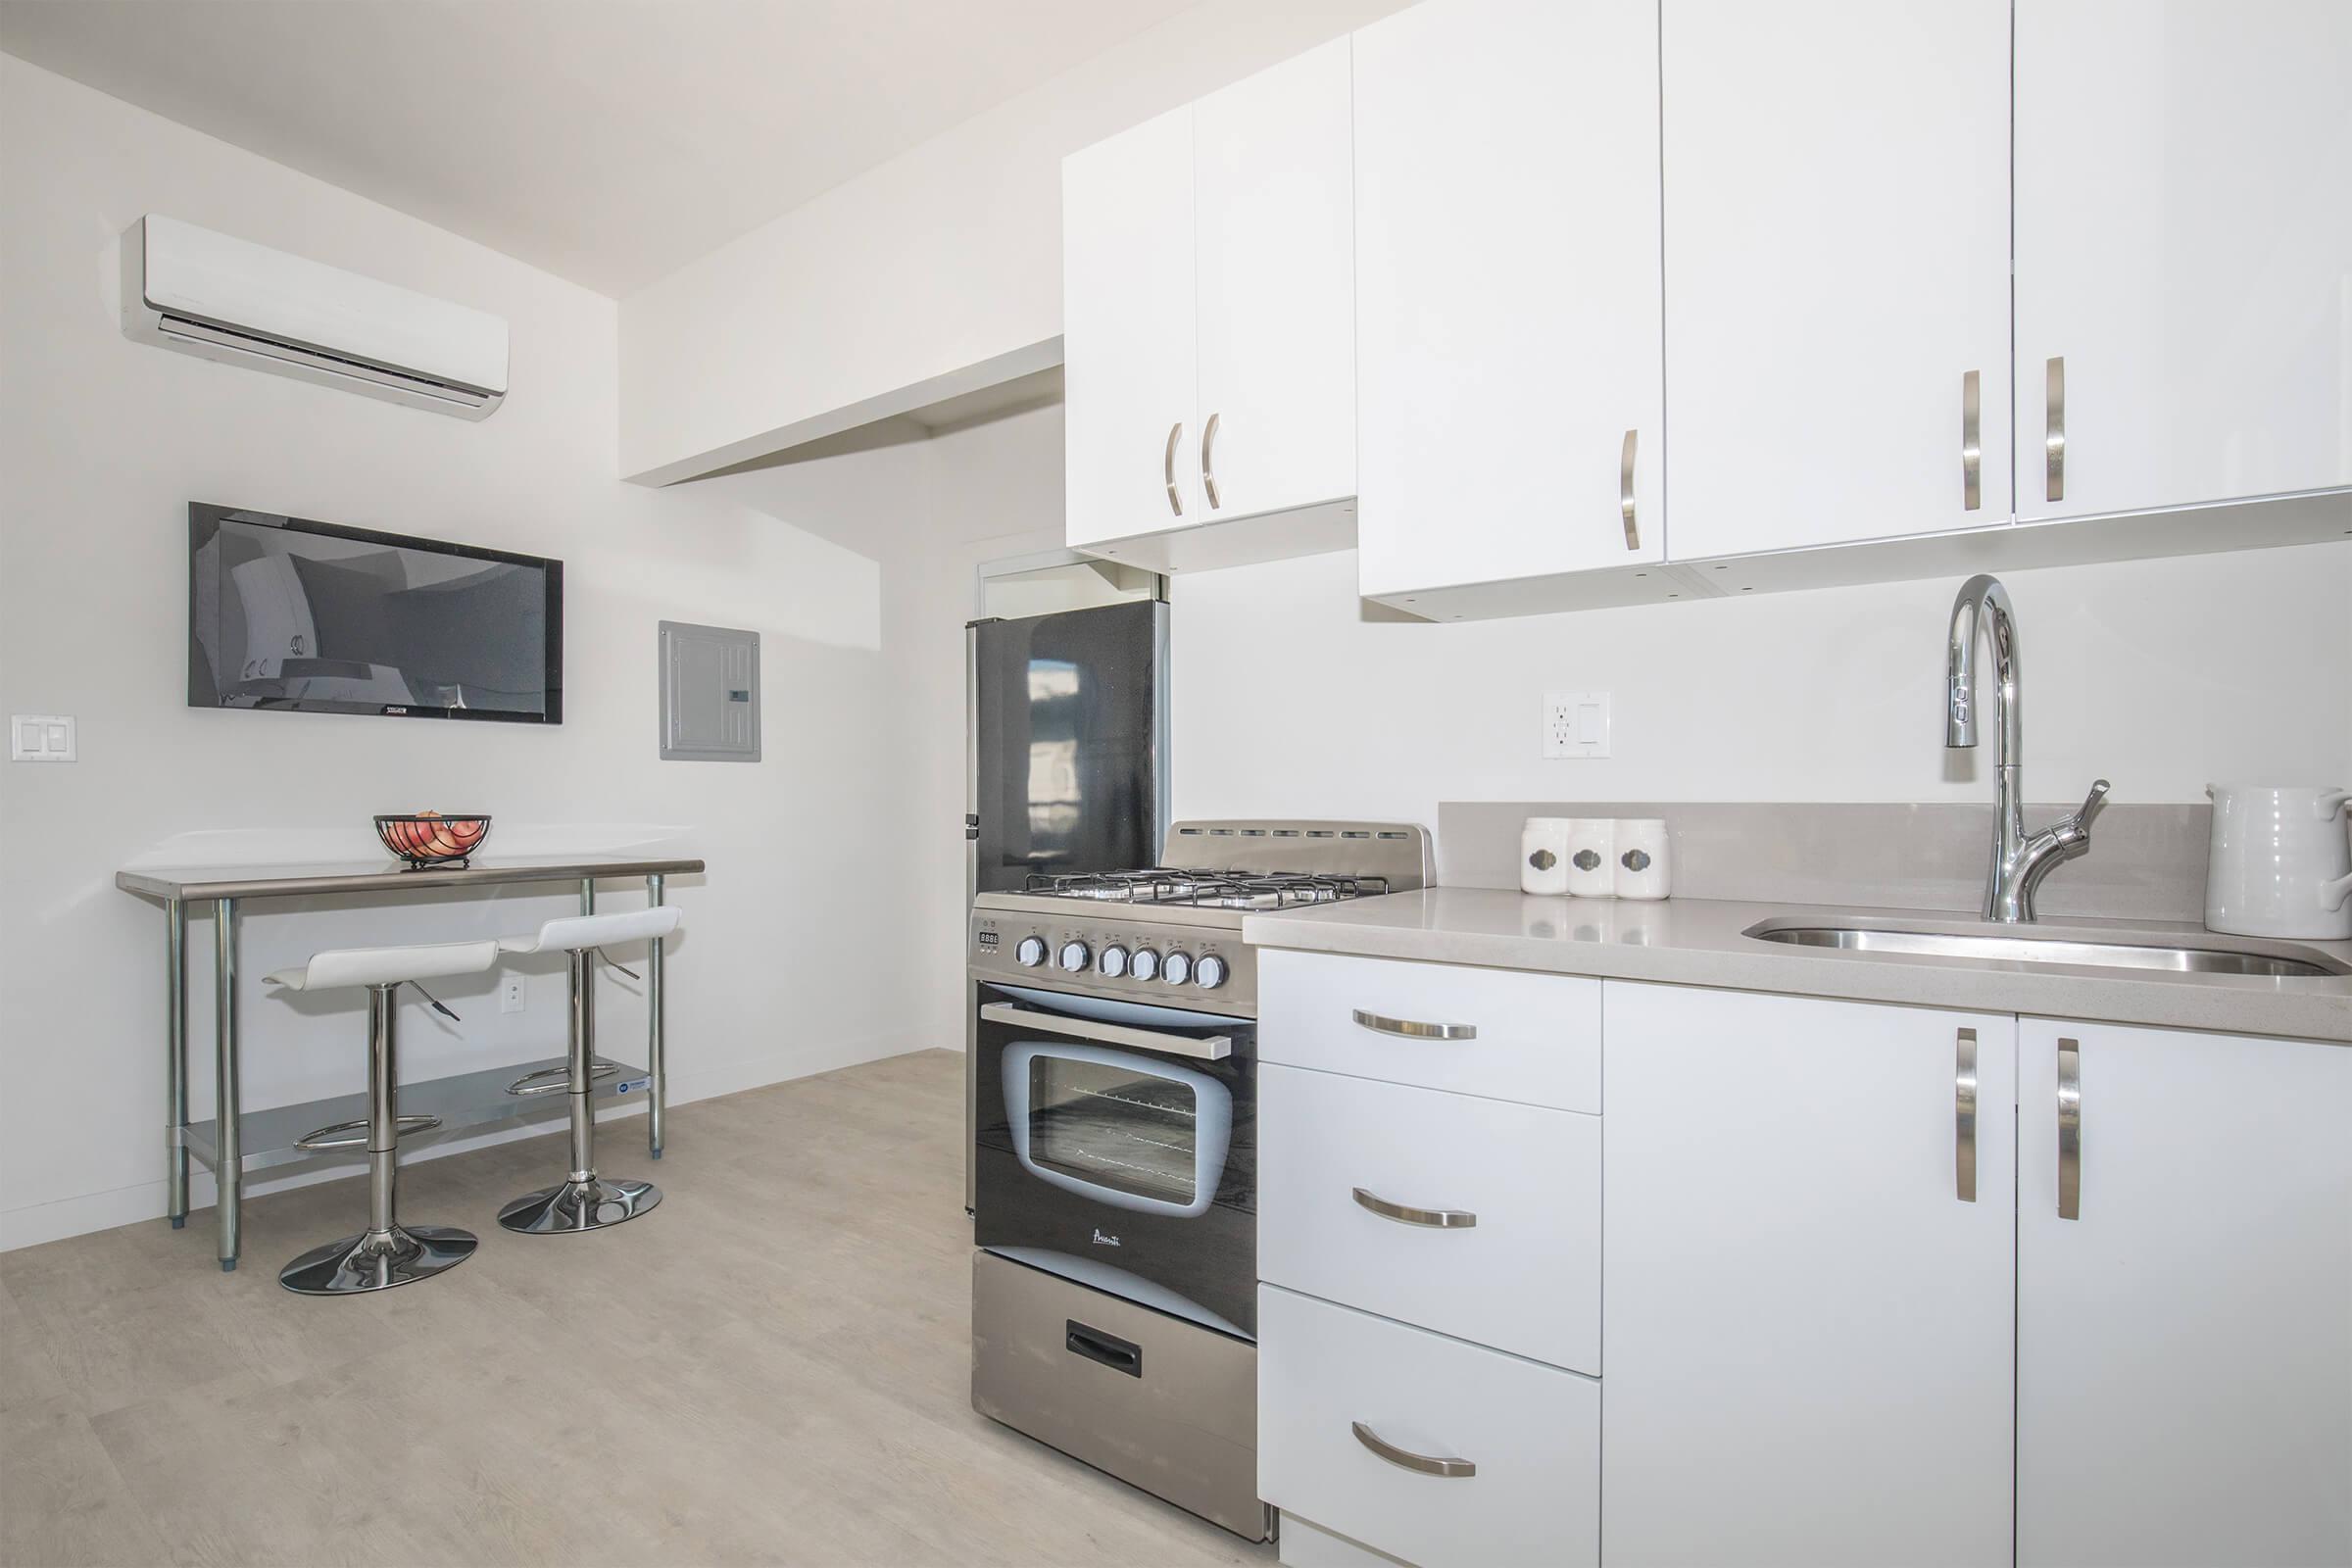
(1576, 724)
(510, 993)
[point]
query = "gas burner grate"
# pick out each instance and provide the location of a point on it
(1210, 889)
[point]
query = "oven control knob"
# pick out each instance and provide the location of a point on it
(1112, 961)
(1210, 972)
(1074, 957)
(1176, 969)
(1144, 964)
(1031, 953)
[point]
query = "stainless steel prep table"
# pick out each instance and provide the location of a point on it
(468, 1098)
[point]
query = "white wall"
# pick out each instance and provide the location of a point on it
(2160, 675)
(946, 255)
(103, 444)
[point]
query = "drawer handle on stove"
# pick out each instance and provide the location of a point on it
(1207, 1047)
(1407, 1459)
(1409, 1030)
(1443, 1219)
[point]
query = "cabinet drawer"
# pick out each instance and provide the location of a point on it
(1524, 1277)
(1531, 1434)
(1532, 1038)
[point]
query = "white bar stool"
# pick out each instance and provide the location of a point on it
(386, 1253)
(585, 1200)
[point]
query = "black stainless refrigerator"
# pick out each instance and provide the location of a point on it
(1066, 755)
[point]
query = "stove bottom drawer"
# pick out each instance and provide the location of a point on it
(1168, 1405)
(1364, 1427)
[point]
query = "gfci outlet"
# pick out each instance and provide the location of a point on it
(1576, 724)
(510, 993)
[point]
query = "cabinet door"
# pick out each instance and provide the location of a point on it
(1129, 358)
(2184, 1339)
(2185, 245)
(1508, 322)
(1807, 1324)
(1837, 268)
(1276, 201)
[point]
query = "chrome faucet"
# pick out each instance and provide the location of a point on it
(2020, 860)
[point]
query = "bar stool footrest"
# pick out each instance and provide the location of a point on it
(354, 1134)
(555, 1080)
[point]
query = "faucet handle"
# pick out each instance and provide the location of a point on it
(2091, 802)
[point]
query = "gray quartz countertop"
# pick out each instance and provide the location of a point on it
(1701, 942)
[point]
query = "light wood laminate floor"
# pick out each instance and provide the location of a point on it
(771, 1367)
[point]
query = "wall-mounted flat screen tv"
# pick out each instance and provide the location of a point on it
(289, 614)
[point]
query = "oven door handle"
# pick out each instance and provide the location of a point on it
(1213, 1048)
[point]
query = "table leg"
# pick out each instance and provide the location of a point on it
(176, 1060)
(657, 1089)
(229, 1165)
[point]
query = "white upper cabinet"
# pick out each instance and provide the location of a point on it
(1276, 214)
(2185, 1299)
(1208, 310)
(1131, 348)
(1507, 282)
(1836, 179)
(2184, 250)
(1809, 1216)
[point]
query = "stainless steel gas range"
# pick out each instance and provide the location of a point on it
(1115, 1148)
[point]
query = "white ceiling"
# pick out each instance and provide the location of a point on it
(608, 141)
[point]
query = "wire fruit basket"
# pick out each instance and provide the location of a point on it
(433, 840)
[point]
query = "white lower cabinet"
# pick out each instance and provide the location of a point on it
(1808, 1314)
(1429, 1449)
(2184, 1299)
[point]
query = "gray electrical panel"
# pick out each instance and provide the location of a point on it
(710, 694)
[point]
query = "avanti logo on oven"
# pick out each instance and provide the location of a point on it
(1101, 1240)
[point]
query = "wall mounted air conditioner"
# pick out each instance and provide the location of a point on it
(188, 288)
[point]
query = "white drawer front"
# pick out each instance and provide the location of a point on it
(1531, 1434)
(1536, 1038)
(1525, 1277)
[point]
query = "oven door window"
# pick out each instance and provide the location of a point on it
(1118, 1126)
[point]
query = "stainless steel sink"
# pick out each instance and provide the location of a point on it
(2107, 951)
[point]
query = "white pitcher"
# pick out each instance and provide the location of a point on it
(2280, 864)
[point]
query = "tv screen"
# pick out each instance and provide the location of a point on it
(286, 612)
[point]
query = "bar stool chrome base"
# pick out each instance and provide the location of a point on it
(379, 1261)
(589, 1206)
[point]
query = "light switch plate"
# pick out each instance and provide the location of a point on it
(1576, 724)
(40, 738)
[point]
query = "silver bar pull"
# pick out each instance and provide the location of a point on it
(2053, 438)
(1437, 1219)
(1972, 445)
(1624, 490)
(1407, 1459)
(1408, 1029)
(1208, 461)
(2069, 1129)
(1167, 469)
(1208, 1048)
(1963, 1116)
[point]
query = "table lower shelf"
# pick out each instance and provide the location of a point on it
(467, 1099)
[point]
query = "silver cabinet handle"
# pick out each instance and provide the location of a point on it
(1625, 489)
(1437, 1219)
(1167, 469)
(1207, 1047)
(1208, 461)
(1963, 1116)
(1407, 1459)
(2069, 1129)
(2053, 437)
(1408, 1029)
(1972, 444)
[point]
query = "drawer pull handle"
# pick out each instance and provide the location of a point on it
(1407, 1459)
(1441, 1219)
(1408, 1029)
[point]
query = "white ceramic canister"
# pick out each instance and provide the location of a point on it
(1592, 856)
(1645, 867)
(1543, 856)
(2279, 862)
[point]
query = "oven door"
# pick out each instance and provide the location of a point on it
(1116, 1145)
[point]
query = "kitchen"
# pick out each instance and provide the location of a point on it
(1502, 394)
